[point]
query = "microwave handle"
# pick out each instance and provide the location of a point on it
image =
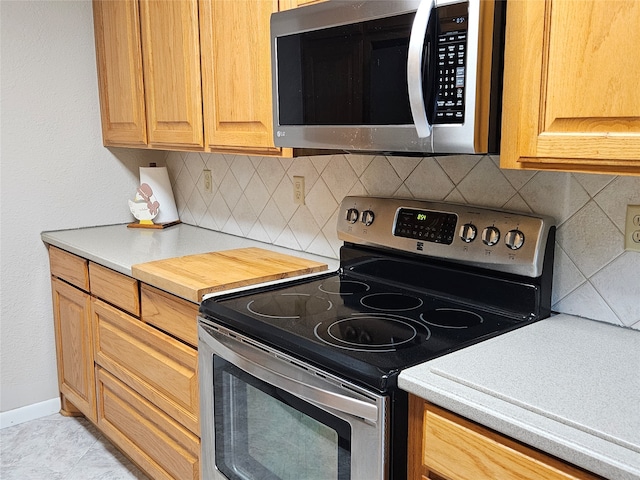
(414, 68)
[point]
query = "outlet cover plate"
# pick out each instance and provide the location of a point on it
(298, 190)
(632, 229)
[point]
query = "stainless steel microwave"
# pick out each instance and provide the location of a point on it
(389, 76)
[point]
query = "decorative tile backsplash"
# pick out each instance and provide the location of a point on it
(253, 197)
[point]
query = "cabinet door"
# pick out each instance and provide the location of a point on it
(236, 74)
(171, 50)
(119, 61)
(571, 98)
(72, 321)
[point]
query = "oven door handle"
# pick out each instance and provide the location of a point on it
(261, 365)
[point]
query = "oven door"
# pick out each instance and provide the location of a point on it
(264, 415)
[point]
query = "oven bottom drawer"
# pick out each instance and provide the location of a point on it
(156, 442)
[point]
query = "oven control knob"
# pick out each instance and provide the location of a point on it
(367, 217)
(490, 236)
(468, 232)
(352, 215)
(514, 239)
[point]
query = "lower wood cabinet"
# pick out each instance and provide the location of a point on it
(151, 438)
(129, 363)
(72, 323)
(445, 446)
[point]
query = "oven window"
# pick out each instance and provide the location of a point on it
(263, 432)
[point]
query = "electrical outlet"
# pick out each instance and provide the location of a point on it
(298, 190)
(632, 229)
(208, 183)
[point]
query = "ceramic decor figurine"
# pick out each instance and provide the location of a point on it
(144, 207)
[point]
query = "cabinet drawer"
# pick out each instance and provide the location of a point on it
(69, 267)
(159, 367)
(162, 447)
(169, 313)
(460, 449)
(115, 288)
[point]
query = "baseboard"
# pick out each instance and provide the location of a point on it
(30, 412)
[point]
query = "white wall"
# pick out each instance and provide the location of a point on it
(55, 174)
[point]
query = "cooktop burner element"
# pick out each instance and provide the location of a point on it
(343, 287)
(372, 333)
(289, 305)
(452, 318)
(398, 298)
(391, 302)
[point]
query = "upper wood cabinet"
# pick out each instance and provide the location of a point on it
(188, 74)
(171, 62)
(119, 59)
(236, 74)
(148, 56)
(571, 98)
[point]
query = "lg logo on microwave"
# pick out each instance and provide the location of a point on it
(280, 133)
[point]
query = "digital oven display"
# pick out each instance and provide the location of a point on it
(426, 225)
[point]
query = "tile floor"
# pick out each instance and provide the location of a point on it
(61, 448)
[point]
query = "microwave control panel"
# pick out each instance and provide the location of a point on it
(451, 63)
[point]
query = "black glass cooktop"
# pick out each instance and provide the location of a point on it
(362, 329)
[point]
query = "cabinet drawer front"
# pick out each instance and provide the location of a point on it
(153, 440)
(459, 449)
(161, 368)
(170, 314)
(69, 267)
(115, 288)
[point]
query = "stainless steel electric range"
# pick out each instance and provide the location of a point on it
(299, 380)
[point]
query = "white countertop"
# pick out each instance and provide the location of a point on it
(119, 247)
(566, 385)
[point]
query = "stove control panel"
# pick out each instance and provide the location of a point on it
(499, 240)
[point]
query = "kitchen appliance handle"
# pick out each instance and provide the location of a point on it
(240, 355)
(414, 68)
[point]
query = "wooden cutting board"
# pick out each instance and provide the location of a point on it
(193, 276)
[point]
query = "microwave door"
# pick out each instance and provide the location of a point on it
(415, 63)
